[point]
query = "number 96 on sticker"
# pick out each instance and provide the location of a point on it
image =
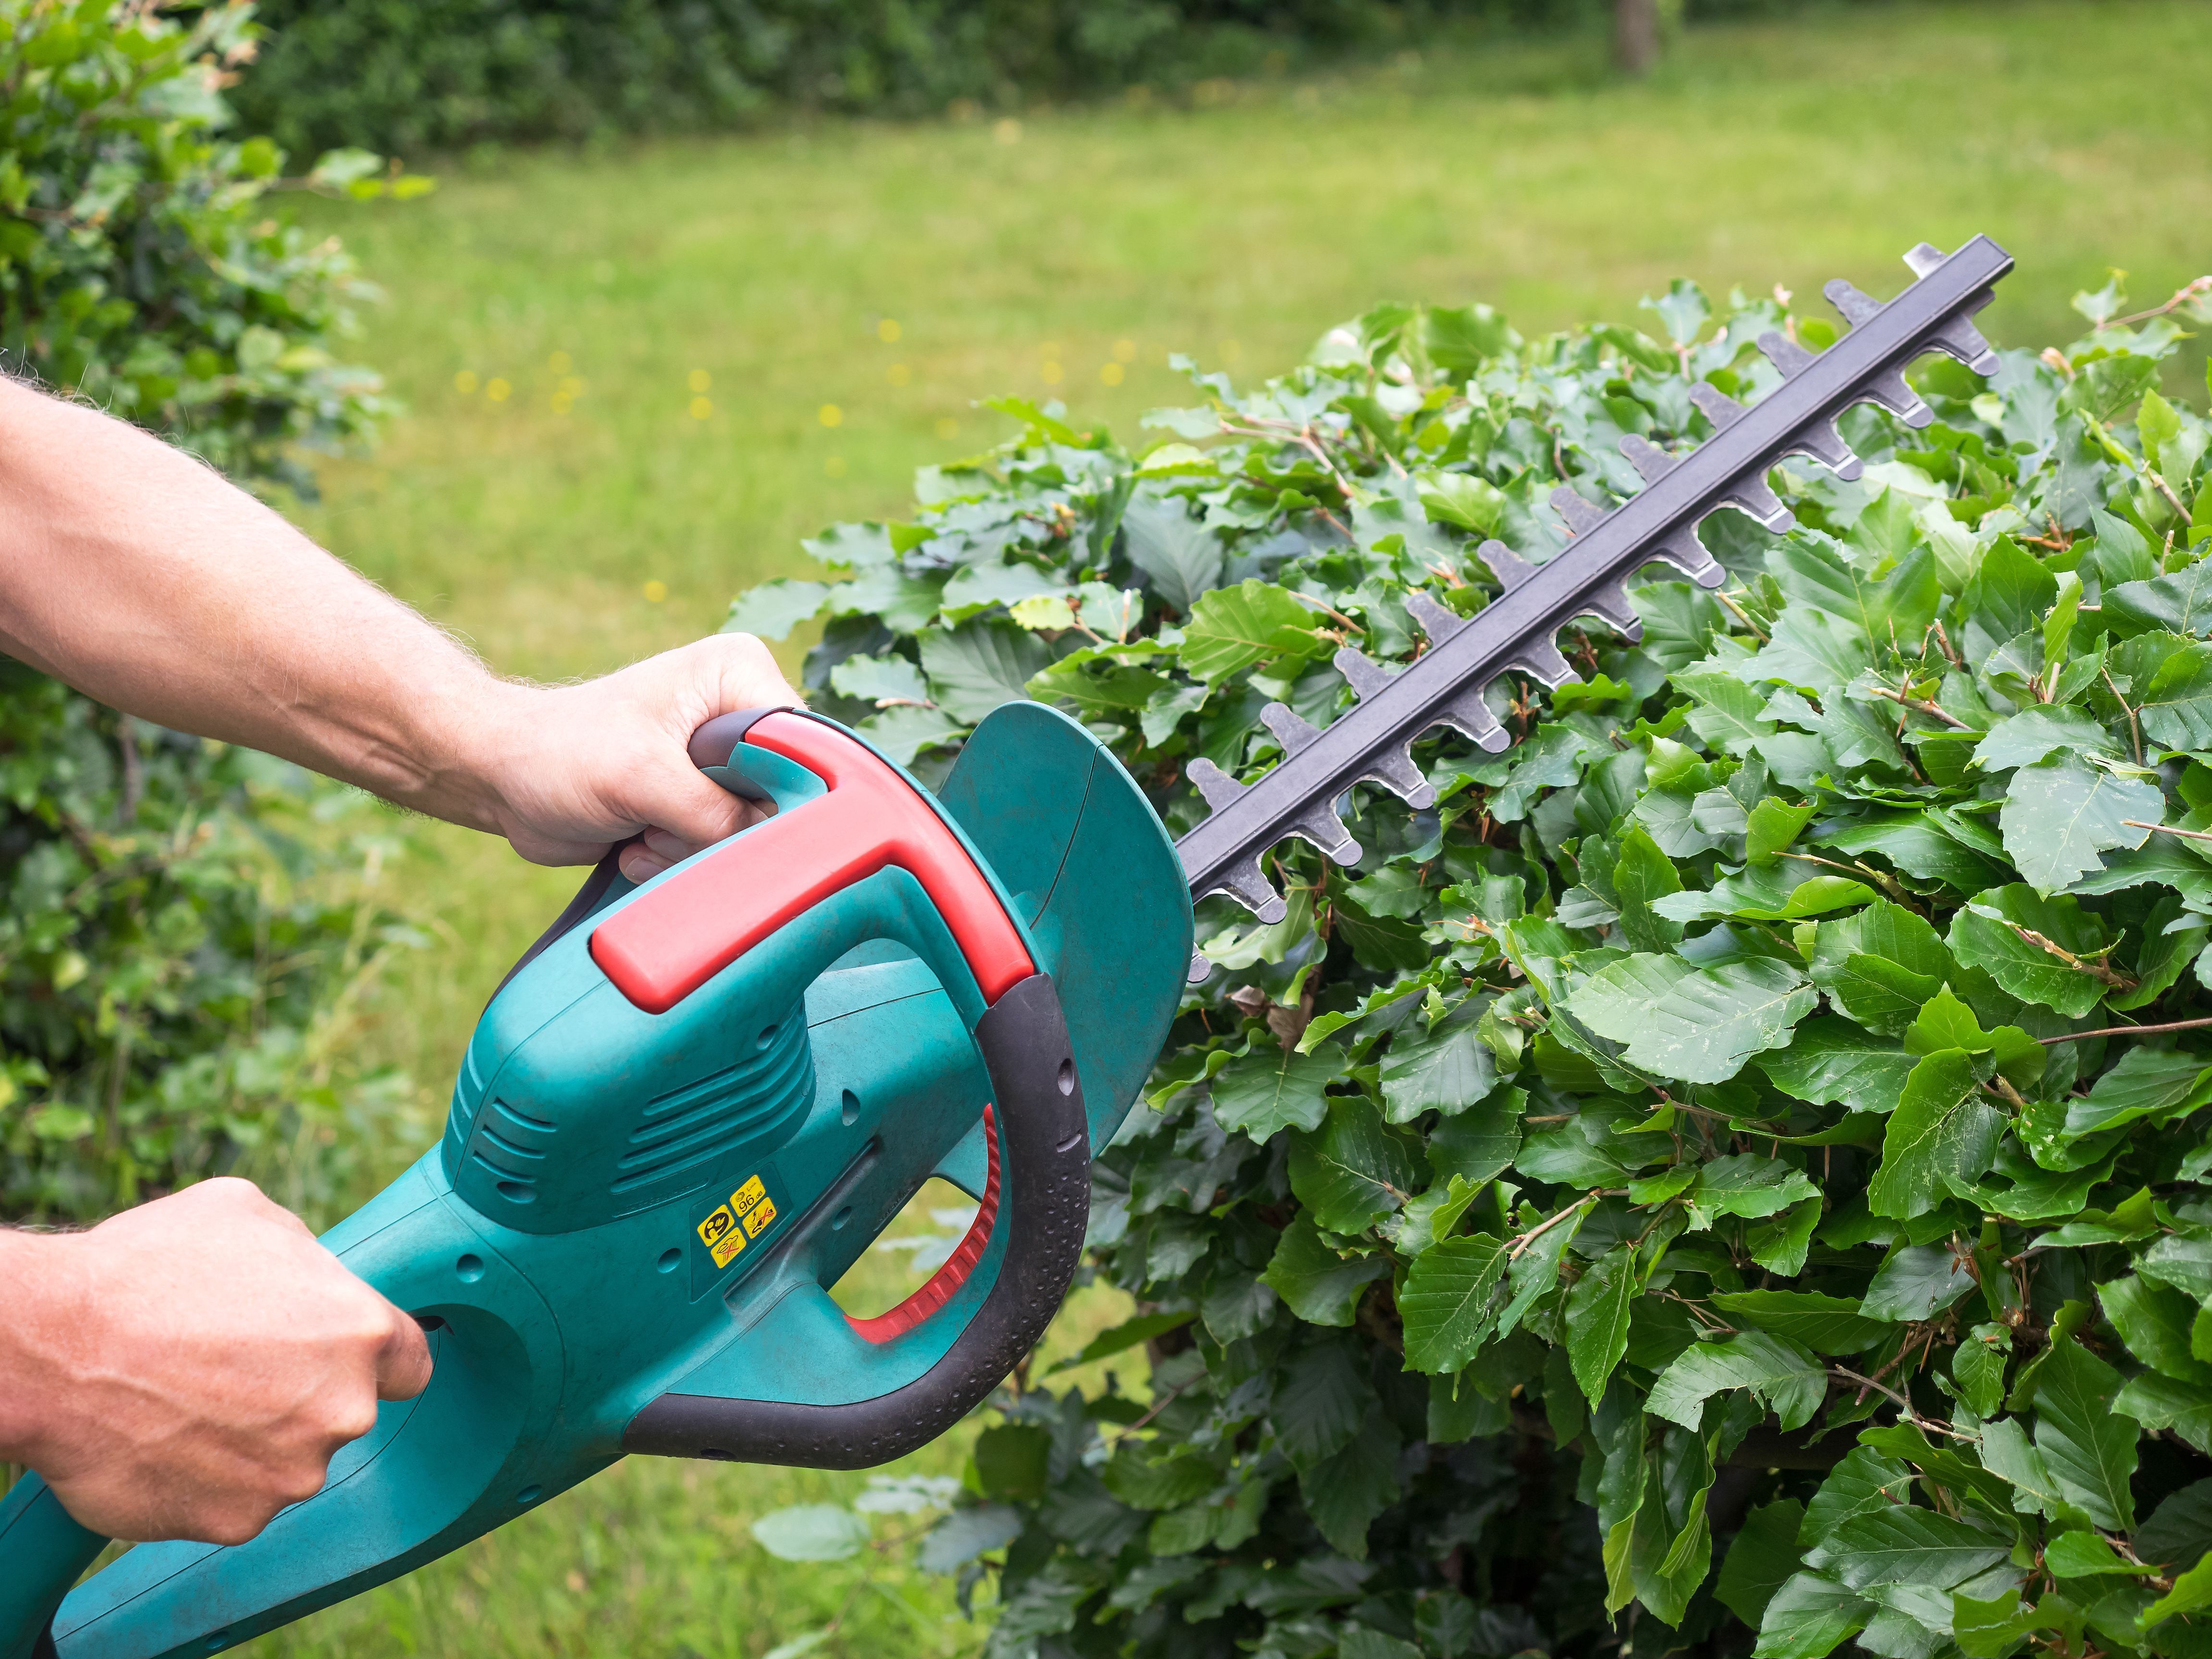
(748, 1213)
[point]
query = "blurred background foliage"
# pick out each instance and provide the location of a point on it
(191, 935)
(435, 75)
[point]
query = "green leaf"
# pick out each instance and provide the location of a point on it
(1353, 1169)
(2179, 604)
(1942, 1132)
(1745, 1184)
(1916, 1281)
(2175, 702)
(1320, 1401)
(2191, 1593)
(2090, 1448)
(1145, 1482)
(2030, 736)
(811, 1532)
(1271, 1091)
(1231, 628)
(2061, 815)
(1180, 558)
(1344, 1494)
(1809, 1618)
(1597, 1318)
(1480, 1141)
(2086, 1555)
(977, 666)
(2155, 1323)
(1448, 1301)
(1780, 1374)
(1832, 1061)
(1762, 1559)
(774, 609)
(1900, 1544)
(878, 679)
(1446, 1071)
(1825, 1324)
(1316, 1284)
(1700, 1026)
(2147, 1083)
(1461, 499)
(1991, 933)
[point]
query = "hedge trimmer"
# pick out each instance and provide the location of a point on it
(694, 1103)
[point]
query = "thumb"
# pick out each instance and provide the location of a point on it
(403, 1367)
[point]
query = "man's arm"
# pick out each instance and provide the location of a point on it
(133, 573)
(188, 1368)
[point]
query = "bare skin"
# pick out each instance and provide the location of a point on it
(187, 1368)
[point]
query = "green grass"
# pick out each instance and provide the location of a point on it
(2079, 136)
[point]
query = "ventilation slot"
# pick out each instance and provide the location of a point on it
(510, 1146)
(701, 1122)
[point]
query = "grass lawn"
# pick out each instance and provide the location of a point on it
(708, 349)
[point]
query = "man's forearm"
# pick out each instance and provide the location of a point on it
(137, 574)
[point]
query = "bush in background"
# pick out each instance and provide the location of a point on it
(1733, 1176)
(415, 75)
(181, 967)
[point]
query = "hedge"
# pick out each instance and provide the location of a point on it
(1734, 1176)
(183, 954)
(415, 75)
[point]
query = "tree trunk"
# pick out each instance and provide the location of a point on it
(1636, 35)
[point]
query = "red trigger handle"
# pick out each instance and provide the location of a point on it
(673, 940)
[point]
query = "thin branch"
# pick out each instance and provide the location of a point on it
(2132, 726)
(2182, 296)
(1922, 705)
(1758, 633)
(2167, 828)
(2129, 1030)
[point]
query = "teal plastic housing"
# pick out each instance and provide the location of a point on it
(561, 1239)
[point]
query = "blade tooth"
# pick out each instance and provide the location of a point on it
(1715, 405)
(1395, 770)
(1509, 566)
(1215, 784)
(1250, 888)
(1650, 462)
(1292, 732)
(1367, 676)
(1751, 493)
(1541, 659)
(1322, 826)
(1855, 307)
(1889, 391)
(1924, 258)
(1688, 554)
(1785, 354)
(1470, 716)
(1581, 515)
(1964, 341)
(1201, 966)
(1826, 445)
(1610, 606)
(1437, 622)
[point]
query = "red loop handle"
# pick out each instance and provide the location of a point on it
(673, 940)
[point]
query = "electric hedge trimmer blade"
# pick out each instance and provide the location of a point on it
(1372, 741)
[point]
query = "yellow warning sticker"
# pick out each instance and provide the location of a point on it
(722, 1237)
(748, 1195)
(760, 1217)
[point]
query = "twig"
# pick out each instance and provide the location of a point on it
(2132, 726)
(2167, 828)
(1902, 1403)
(2128, 1031)
(1327, 610)
(2182, 295)
(1758, 633)
(1922, 705)
(2090, 965)
(1542, 1227)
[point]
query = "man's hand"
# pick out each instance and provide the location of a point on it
(576, 769)
(187, 1368)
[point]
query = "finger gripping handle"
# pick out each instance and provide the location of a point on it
(1024, 1044)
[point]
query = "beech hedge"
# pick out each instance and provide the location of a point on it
(1733, 1176)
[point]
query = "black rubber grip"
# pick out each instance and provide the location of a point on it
(1045, 1209)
